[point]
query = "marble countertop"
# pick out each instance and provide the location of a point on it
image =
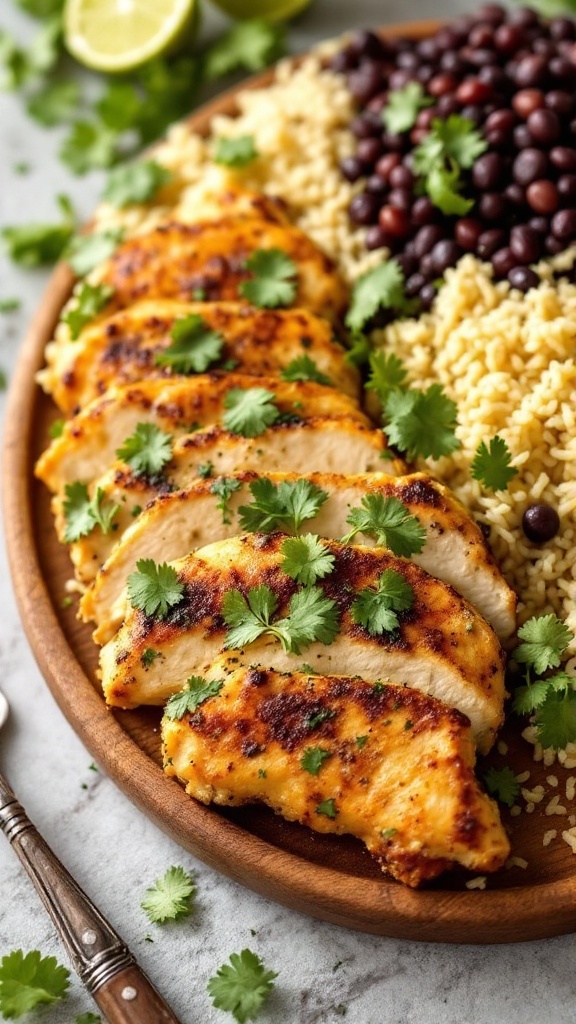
(325, 974)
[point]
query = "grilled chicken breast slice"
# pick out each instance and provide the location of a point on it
(90, 440)
(441, 646)
(387, 764)
(174, 524)
(177, 261)
(331, 443)
(125, 348)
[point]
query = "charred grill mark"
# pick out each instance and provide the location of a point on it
(421, 492)
(291, 717)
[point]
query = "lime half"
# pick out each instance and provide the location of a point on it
(273, 10)
(117, 35)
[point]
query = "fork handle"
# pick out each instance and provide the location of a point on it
(102, 961)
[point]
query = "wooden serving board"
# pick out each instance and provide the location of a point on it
(331, 878)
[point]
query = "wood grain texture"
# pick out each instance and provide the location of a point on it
(326, 877)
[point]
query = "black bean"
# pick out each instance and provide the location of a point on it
(523, 278)
(375, 185)
(452, 62)
(401, 177)
(366, 44)
(394, 221)
(369, 150)
(503, 262)
(489, 242)
(521, 137)
(526, 101)
(445, 253)
(525, 17)
(515, 194)
(386, 164)
(494, 76)
(427, 295)
(529, 165)
(376, 238)
(427, 49)
(473, 91)
(352, 168)
(493, 206)
(401, 197)
(567, 187)
(364, 209)
(500, 119)
(531, 71)
(467, 232)
(448, 105)
(365, 81)
(539, 224)
(488, 171)
(481, 35)
(563, 158)
(563, 69)
(408, 264)
(494, 14)
(540, 522)
(544, 127)
(413, 284)
(423, 212)
(542, 196)
(508, 38)
(366, 125)
(343, 61)
(525, 243)
(427, 238)
(396, 142)
(427, 266)
(473, 113)
(562, 28)
(560, 102)
(564, 225)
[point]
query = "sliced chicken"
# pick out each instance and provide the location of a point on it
(178, 260)
(441, 645)
(90, 440)
(129, 347)
(174, 524)
(331, 443)
(218, 194)
(386, 764)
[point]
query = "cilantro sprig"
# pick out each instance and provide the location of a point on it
(304, 368)
(284, 506)
(552, 699)
(421, 422)
(249, 412)
(380, 288)
(389, 522)
(311, 617)
(194, 346)
(492, 464)
(83, 514)
(306, 559)
(451, 146)
(196, 691)
(403, 107)
(171, 897)
(242, 986)
(27, 980)
(376, 609)
(313, 758)
(90, 300)
(154, 588)
(147, 450)
(38, 245)
(235, 152)
(274, 279)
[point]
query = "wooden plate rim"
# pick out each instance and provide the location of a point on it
(380, 907)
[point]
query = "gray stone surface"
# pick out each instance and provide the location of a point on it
(115, 852)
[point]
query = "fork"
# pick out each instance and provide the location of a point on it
(100, 958)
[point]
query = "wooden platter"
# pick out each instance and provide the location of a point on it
(329, 878)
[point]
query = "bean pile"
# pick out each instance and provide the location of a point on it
(513, 75)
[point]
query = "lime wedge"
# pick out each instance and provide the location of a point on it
(117, 35)
(273, 10)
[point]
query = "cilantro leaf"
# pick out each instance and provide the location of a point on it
(249, 412)
(56, 429)
(545, 640)
(491, 465)
(194, 346)
(195, 692)
(387, 372)
(86, 251)
(450, 146)
(205, 470)
(148, 656)
(502, 783)
(224, 487)
(304, 368)
(147, 450)
(55, 104)
(459, 138)
(327, 807)
(41, 8)
(376, 610)
(306, 559)
(248, 46)
(9, 305)
(89, 145)
(37, 245)
(421, 422)
(311, 617)
(90, 299)
(119, 106)
(242, 986)
(528, 698)
(556, 719)
(274, 279)
(235, 152)
(135, 183)
(88, 1018)
(313, 758)
(170, 897)
(24, 66)
(443, 185)
(154, 589)
(82, 514)
(284, 506)
(389, 522)
(403, 107)
(380, 288)
(26, 980)
(247, 619)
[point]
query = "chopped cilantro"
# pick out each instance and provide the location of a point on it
(248, 46)
(147, 450)
(327, 807)
(311, 617)
(273, 282)
(321, 716)
(170, 897)
(389, 522)
(241, 987)
(380, 288)
(376, 610)
(195, 692)
(154, 589)
(235, 152)
(194, 347)
(306, 559)
(55, 104)
(450, 146)
(403, 107)
(502, 783)
(135, 183)
(249, 412)
(148, 656)
(284, 506)
(205, 470)
(86, 251)
(224, 487)
(361, 742)
(387, 833)
(304, 368)
(56, 429)
(82, 513)
(313, 758)
(36, 245)
(90, 300)
(27, 980)
(491, 464)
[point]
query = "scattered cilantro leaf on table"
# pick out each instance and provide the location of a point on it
(248, 46)
(274, 279)
(249, 412)
(195, 692)
(389, 522)
(242, 986)
(311, 616)
(224, 487)
(27, 980)
(90, 300)
(237, 151)
(36, 245)
(83, 513)
(170, 898)
(137, 182)
(403, 107)
(304, 368)
(545, 638)
(3, 380)
(375, 609)
(313, 758)
(147, 450)
(89, 145)
(86, 251)
(88, 1018)
(327, 807)
(41, 8)
(502, 784)
(194, 347)
(380, 288)
(306, 559)
(284, 506)
(55, 104)
(421, 422)
(154, 588)
(9, 305)
(491, 464)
